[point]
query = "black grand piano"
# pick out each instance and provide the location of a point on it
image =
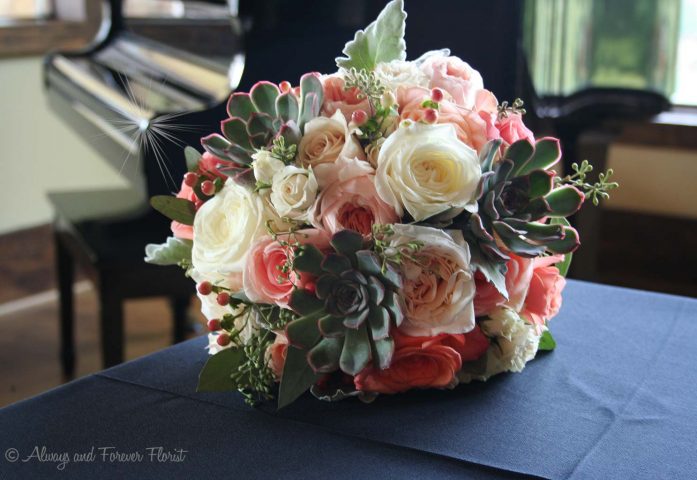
(157, 77)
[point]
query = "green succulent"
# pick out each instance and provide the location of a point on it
(346, 320)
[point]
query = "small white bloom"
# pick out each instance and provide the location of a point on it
(399, 72)
(293, 191)
(517, 341)
(265, 166)
(426, 169)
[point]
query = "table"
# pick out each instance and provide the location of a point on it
(617, 399)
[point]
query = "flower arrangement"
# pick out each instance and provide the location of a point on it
(387, 227)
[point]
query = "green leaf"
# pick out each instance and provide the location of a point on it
(192, 157)
(519, 152)
(379, 321)
(347, 242)
(240, 105)
(216, 373)
(172, 252)
(546, 154)
(235, 130)
(564, 265)
(487, 155)
(304, 302)
(494, 272)
(547, 341)
(308, 260)
(381, 41)
(568, 244)
(304, 331)
(324, 357)
(383, 350)
(297, 377)
(335, 263)
(177, 209)
(311, 97)
(263, 96)
(287, 107)
(356, 353)
(564, 201)
(540, 183)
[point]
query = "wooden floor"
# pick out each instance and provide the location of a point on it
(29, 320)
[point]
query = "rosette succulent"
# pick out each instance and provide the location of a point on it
(345, 322)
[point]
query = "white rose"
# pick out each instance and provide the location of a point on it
(245, 323)
(438, 281)
(225, 228)
(265, 166)
(399, 72)
(325, 140)
(425, 169)
(293, 192)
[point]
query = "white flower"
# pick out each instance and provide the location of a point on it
(399, 72)
(293, 192)
(438, 281)
(246, 325)
(265, 166)
(324, 141)
(426, 169)
(225, 228)
(517, 341)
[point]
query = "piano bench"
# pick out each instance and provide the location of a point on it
(105, 233)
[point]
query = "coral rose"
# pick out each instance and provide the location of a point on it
(263, 278)
(181, 230)
(512, 129)
(210, 166)
(423, 362)
(543, 299)
(519, 272)
(336, 98)
(276, 353)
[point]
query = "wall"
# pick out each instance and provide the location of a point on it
(38, 153)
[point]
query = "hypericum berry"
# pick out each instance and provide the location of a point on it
(214, 325)
(431, 115)
(223, 298)
(223, 339)
(359, 117)
(437, 95)
(205, 288)
(208, 188)
(190, 179)
(285, 86)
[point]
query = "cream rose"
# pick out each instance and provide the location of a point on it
(293, 192)
(265, 166)
(226, 227)
(425, 169)
(325, 139)
(438, 282)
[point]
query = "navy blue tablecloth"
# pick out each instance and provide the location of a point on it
(617, 399)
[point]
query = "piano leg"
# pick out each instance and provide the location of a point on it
(111, 322)
(65, 270)
(180, 306)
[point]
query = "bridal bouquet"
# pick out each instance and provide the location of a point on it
(386, 227)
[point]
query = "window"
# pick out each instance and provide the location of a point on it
(642, 44)
(25, 9)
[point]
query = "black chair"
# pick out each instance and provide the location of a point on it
(141, 76)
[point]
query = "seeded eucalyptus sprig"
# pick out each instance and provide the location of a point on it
(389, 253)
(595, 191)
(367, 83)
(516, 108)
(283, 152)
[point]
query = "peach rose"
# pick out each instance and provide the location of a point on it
(470, 128)
(543, 299)
(276, 353)
(263, 278)
(512, 129)
(454, 76)
(438, 285)
(351, 201)
(518, 275)
(337, 98)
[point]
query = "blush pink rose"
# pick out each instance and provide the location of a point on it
(277, 352)
(181, 230)
(423, 362)
(543, 299)
(263, 278)
(351, 201)
(518, 276)
(512, 129)
(454, 76)
(470, 128)
(210, 166)
(337, 98)
(486, 106)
